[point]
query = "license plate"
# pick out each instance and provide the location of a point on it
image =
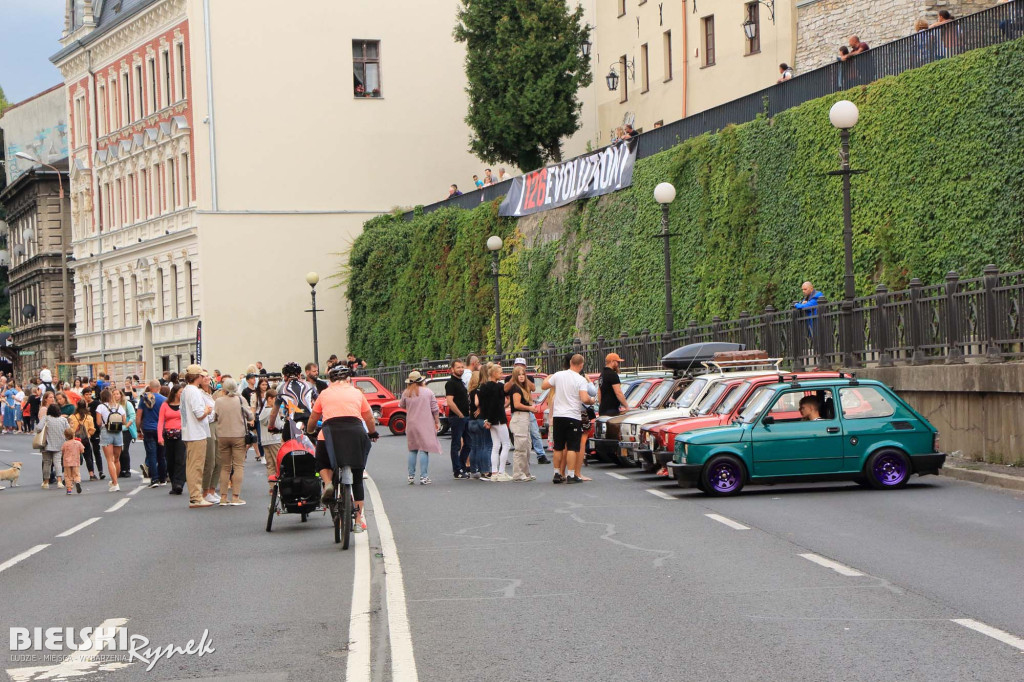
(590, 444)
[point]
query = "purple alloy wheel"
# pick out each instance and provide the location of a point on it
(725, 477)
(890, 470)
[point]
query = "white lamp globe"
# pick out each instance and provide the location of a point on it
(665, 193)
(494, 243)
(844, 114)
(312, 278)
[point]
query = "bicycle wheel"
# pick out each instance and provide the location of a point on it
(273, 508)
(346, 516)
(335, 512)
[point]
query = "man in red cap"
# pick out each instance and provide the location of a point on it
(612, 400)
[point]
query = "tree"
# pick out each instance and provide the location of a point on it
(524, 66)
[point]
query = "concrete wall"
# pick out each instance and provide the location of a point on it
(36, 126)
(976, 408)
(824, 25)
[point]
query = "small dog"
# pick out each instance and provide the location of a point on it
(11, 474)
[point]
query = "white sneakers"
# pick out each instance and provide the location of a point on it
(212, 498)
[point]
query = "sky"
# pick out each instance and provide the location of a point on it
(29, 33)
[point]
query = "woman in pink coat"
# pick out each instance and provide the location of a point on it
(422, 424)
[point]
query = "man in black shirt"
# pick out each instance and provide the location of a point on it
(355, 364)
(91, 398)
(313, 377)
(612, 400)
(458, 412)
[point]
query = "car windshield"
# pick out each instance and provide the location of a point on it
(704, 407)
(756, 404)
(733, 398)
(690, 394)
(658, 395)
(637, 395)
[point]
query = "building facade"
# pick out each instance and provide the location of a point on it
(39, 221)
(222, 150)
(38, 232)
(823, 26)
(676, 59)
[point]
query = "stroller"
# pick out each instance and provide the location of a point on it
(297, 485)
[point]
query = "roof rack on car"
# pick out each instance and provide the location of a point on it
(791, 379)
(722, 365)
(851, 376)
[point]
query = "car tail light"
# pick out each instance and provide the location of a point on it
(935, 442)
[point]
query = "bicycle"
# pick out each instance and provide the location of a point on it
(342, 506)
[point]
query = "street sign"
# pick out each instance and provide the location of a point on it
(26, 352)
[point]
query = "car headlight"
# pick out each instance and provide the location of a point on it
(679, 456)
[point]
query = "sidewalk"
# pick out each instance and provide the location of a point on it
(1000, 475)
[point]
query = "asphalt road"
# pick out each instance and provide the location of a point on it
(485, 581)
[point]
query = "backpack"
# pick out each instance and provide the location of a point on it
(115, 422)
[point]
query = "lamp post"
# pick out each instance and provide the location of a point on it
(665, 194)
(311, 279)
(494, 244)
(63, 254)
(844, 115)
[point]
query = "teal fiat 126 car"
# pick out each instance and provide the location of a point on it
(821, 429)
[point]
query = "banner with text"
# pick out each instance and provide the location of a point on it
(587, 176)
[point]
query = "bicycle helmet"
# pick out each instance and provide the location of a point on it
(291, 369)
(339, 372)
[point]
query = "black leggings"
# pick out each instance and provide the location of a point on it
(88, 455)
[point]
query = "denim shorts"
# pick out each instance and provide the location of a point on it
(108, 438)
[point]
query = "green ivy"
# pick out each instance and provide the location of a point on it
(756, 215)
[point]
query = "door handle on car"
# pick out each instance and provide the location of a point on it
(832, 429)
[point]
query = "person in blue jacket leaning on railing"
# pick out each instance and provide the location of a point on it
(809, 304)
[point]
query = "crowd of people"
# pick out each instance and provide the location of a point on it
(487, 180)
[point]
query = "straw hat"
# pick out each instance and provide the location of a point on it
(414, 378)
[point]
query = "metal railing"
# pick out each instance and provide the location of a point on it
(979, 319)
(982, 29)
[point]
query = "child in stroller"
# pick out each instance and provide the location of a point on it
(296, 485)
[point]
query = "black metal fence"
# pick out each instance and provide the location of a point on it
(981, 319)
(982, 29)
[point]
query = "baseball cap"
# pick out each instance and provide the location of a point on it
(519, 361)
(196, 369)
(612, 357)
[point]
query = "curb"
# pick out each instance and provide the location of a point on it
(984, 477)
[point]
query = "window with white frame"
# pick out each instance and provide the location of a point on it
(172, 184)
(174, 291)
(140, 94)
(151, 68)
(189, 302)
(180, 48)
(126, 99)
(165, 66)
(101, 110)
(186, 180)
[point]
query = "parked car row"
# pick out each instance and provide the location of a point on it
(737, 422)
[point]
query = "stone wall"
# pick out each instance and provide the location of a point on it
(976, 408)
(824, 25)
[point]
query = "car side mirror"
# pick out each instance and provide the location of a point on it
(768, 420)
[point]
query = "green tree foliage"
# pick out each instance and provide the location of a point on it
(3, 100)
(756, 213)
(524, 66)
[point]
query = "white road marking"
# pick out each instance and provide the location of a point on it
(617, 475)
(83, 524)
(117, 505)
(994, 633)
(729, 522)
(21, 557)
(137, 489)
(358, 666)
(834, 565)
(403, 663)
(659, 493)
(78, 663)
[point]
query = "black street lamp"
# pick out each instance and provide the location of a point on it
(665, 194)
(494, 244)
(311, 279)
(844, 115)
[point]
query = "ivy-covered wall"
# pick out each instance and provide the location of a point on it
(943, 147)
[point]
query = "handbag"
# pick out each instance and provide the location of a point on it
(39, 440)
(250, 437)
